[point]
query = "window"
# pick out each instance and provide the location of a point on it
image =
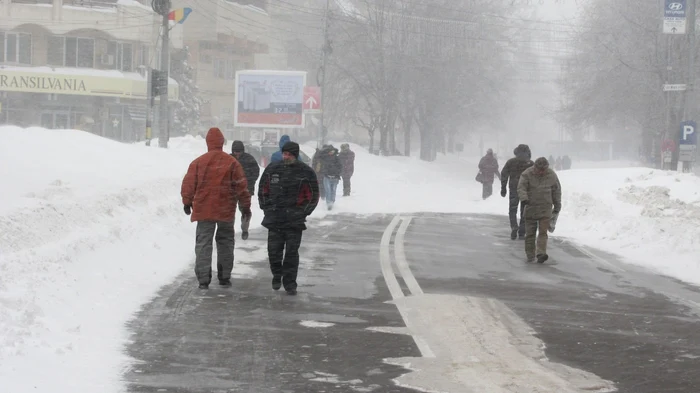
(220, 68)
(55, 52)
(16, 48)
(144, 59)
(230, 70)
(125, 57)
(71, 52)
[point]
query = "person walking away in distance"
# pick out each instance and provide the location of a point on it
(347, 159)
(252, 172)
(316, 165)
(510, 175)
(277, 156)
(488, 166)
(331, 167)
(214, 184)
(287, 193)
(540, 191)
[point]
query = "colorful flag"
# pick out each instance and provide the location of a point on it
(179, 15)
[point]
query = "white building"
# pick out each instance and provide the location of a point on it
(79, 64)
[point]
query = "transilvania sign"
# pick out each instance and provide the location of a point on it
(99, 83)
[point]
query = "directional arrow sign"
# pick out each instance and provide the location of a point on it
(312, 99)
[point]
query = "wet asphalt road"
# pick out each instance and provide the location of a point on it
(637, 329)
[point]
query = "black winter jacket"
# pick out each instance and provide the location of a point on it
(330, 163)
(251, 170)
(288, 193)
(512, 171)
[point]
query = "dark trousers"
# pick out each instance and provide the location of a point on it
(486, 190)
(513, 214)
(283, 251)
(346, 185)
(224, 234)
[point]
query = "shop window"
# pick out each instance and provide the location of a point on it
(17, 48)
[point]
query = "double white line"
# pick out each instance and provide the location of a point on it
(392, 283)
(400, 258)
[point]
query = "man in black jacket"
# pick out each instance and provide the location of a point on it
(288, 193)
(511, 174)
(252, 172)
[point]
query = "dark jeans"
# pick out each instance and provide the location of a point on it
(225, 241)
(346, 185)
(283, 251)
(513, 214)
(487, 190)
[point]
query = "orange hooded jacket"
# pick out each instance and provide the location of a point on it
(215, 183)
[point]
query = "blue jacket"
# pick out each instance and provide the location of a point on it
(277, 156)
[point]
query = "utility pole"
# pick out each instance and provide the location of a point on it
(690, 98)
(162, 7)
(321, 79)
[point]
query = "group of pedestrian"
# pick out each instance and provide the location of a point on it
(217, 183)
(533, 188)
(561, 163)
(330, 166)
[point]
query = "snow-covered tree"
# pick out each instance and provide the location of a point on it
(187, 109)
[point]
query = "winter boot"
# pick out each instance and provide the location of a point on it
(542, 258)
(276, 283)
(244, 235)
(203, 286)
(225, 283)
(514, 234)
(292, 292)
(530, 259)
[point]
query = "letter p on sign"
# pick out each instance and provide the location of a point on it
(688, 134)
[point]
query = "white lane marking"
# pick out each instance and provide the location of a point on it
(393, 284)
(596, 257)
(402, 262)
(385, 260)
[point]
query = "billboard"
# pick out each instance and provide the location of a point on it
(269, 99)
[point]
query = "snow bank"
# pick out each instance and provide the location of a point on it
(90, 229)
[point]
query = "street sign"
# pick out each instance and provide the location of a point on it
(668, 156)
(269, 99)
(676, 87)
(312, 99)
(668, 145)
(688, 134)
(675, 17)
(687, 153)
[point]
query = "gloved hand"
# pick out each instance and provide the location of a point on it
(246, 214)
(525, 202)
(503, 192)
(188, 209)
(555, 212)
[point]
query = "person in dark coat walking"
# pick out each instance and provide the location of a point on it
(347, 158)
(287, 193)
(488, 168)
(250, 165)
(331, 169)
(510, 175)
(252, 172)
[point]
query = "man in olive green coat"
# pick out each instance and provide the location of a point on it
(540, 191)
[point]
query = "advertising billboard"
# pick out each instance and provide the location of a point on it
(269, 99)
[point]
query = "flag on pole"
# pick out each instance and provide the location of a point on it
(179, 15)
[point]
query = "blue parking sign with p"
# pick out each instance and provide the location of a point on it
(689, 135)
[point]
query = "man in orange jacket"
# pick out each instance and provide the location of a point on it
(214, 184)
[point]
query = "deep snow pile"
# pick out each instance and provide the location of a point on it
(90, 229)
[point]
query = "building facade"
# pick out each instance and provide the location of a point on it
(224, 37)
(79, 64)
